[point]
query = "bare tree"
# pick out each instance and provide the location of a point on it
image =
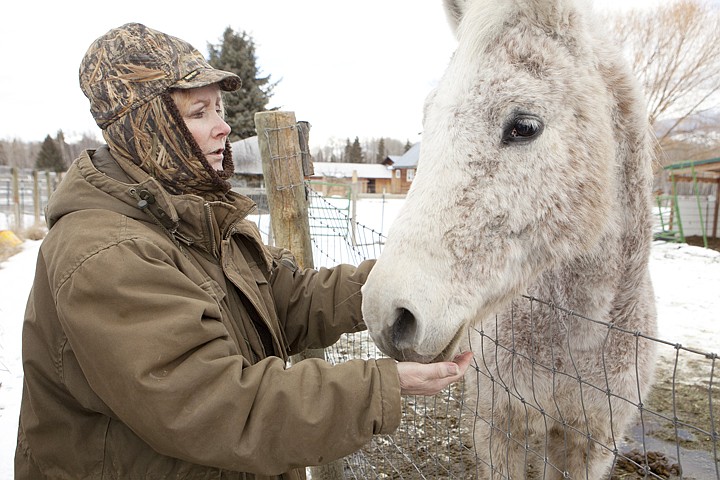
(675, 52)
(3, 156)
(21, 154)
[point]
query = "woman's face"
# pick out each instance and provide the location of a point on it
(202, 110)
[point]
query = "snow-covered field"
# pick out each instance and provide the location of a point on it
(686, 281)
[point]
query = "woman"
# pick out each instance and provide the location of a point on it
(158, 328)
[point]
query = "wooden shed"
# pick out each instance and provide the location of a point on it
(331, 178)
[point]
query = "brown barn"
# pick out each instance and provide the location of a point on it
(393, 176)
(403, 169)
(335, 179)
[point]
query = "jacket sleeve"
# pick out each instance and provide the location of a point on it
(152, 351)
(315, 307)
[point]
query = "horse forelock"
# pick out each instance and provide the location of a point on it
(485, 22)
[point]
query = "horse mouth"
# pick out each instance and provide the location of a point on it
(399, 340)
(448, 352)
(411, 355)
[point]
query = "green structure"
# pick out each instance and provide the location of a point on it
(694, 172)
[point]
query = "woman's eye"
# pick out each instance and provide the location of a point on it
(522, 129)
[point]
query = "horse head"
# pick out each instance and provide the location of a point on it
(523, 167)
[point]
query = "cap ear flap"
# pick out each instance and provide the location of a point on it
(455, 9)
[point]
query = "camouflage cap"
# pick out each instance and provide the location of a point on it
(132, 64)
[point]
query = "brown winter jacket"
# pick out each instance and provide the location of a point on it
(149, 355)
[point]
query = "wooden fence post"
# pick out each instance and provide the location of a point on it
(282, 164)
(36, 196)
(354, 191)
(14, 171)
(284, 183)
(49, 183)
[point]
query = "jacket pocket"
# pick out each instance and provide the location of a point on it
(258, 275)
(213, 289)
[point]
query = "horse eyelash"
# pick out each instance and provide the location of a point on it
(508, 138)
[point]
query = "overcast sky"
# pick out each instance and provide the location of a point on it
(350, 68)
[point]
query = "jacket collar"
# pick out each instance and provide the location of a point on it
(188, 218)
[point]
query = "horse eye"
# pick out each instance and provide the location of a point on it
(522, 129)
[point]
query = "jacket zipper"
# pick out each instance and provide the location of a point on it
(231, 231)
(211, 231)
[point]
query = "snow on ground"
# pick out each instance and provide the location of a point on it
(16, 276)
(686, 281)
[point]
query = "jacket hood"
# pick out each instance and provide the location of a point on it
(98, 181)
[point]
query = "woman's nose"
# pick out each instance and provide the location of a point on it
(222, 128)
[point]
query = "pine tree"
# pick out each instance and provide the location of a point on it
(408, 145)
(63, 147)
(346, 154)
(236, 54)
(356, 154)
(381, 151)
(50, 157)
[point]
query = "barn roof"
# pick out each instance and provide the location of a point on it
(409, 159)
(392, 159)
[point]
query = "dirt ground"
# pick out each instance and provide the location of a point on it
(713, 243)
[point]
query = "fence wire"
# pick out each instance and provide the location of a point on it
(336, 236)
(674, 433)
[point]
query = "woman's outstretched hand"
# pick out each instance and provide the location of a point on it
(431, 378)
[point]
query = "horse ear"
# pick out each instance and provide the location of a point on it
(454, 9)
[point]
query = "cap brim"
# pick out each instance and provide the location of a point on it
(228, 81)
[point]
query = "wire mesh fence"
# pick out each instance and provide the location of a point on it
(673, 433)
(336, 236)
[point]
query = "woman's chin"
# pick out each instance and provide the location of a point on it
(215, 161)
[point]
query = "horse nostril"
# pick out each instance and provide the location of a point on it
(403, 330)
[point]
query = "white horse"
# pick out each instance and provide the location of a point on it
(534, 178)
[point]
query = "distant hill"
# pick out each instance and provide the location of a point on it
(695, 138)
(705, 126)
